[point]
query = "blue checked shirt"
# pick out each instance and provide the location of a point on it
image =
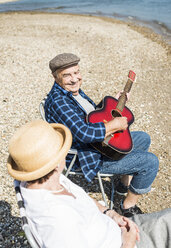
(61, 107)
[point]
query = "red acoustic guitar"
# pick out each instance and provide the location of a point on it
(117, 144)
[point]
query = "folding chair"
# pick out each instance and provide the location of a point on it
(68, 171)
(32, 237)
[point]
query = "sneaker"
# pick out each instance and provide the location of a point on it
(121, 189)
(129, 212)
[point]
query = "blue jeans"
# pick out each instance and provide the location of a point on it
(139, 163)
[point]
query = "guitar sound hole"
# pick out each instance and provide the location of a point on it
(115, 113)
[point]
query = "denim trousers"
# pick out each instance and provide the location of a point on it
(139, 163)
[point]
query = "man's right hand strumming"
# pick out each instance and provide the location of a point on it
(116, 124)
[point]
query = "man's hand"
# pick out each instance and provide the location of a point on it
(119, 94)
(116, 124)
(119, 123)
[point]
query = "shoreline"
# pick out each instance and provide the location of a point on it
(158, 23)
(108, 50)
(148, 32)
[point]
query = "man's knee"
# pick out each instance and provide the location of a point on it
(153, 163)
(141, 140)
(145, 137)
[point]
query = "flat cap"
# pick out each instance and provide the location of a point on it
(63, 60)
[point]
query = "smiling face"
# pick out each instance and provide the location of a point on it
(69, 79)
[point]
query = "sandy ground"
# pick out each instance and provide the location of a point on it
(108, 50)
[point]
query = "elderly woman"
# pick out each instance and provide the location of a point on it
(62, 214)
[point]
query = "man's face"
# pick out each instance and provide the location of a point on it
(70, 79)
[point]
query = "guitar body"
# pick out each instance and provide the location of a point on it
(115, 146)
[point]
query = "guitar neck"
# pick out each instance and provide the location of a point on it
(122, 99)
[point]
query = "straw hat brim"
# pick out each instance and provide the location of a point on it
(29, 176)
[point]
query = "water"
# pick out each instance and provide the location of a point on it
(152, 13)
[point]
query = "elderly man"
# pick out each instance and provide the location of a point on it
(68, 104)
(59, 211)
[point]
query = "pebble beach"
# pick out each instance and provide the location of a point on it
(108, 50)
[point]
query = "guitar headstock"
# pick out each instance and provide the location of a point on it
(132, 76)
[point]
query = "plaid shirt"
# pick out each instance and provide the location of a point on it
(61, 107)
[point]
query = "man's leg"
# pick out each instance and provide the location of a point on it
(139, 163)
(130, 200)
(126, 179)
(141, 142)
(155, 229)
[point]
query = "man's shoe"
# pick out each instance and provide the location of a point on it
(129, 212)
(121, 189)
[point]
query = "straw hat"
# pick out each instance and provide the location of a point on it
(36, 149)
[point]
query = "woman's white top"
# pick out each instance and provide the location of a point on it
(63, 221)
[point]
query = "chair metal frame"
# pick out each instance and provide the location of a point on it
(68, 171)
(33, 241)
